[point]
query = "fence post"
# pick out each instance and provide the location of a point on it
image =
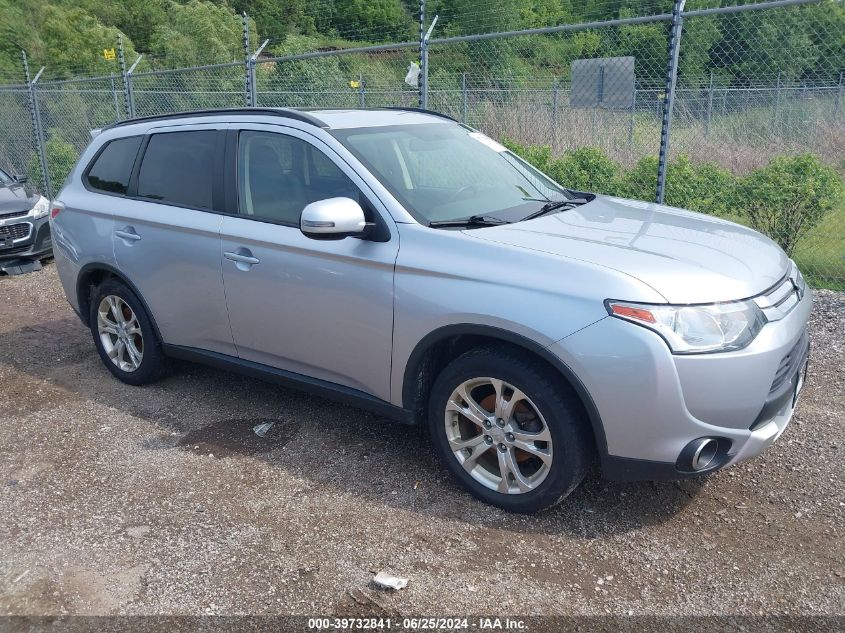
(555, 107)
(114, 98)
(253, 82)
(421, 84)
(247, 62)
(669, 98)
(464, 97)
(126, 79)
(838, 99)
(129, 89)
(424, 57)
(631, 120)
(709, 106)
(776, 117)
(37, 130)
(361, 90)
(121, 58)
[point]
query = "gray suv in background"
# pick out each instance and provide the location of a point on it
(411, 265)
(24, 225)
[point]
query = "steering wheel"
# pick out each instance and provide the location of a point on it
(462, 192)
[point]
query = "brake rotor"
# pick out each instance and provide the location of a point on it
(522, 415)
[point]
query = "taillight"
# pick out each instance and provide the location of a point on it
(54, 212)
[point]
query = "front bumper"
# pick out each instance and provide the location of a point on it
(25, 238)
(652, 403)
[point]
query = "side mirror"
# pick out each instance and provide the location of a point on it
(332, 219)
(21, 178)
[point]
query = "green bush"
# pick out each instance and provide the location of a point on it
(640, 182)
(788, 197)
(583, 169)
(784, 200)
(707, 188)
(587, 169)
(538, 155)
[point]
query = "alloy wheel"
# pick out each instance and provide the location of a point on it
(120, 333)
(498, 435)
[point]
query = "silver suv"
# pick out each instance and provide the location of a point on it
(398, 260)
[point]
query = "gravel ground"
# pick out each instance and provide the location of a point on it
(161, 500)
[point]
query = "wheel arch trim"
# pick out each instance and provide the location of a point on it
(84, 300)
(441, 334)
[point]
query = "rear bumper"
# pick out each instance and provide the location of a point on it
(653, 404)
(25, 238)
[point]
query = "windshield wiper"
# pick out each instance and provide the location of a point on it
(553, 205)
(473, 220)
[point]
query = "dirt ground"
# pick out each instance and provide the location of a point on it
(162, 500)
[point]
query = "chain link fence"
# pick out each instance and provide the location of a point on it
(357, 78)
(178, 90)
(737, 87)
(69, 110)
(521, 89)
(17, 147)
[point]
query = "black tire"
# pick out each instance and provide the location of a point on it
(152, 361)
(556, 402)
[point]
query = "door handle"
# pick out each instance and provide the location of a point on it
(128, 233)
(241, 258)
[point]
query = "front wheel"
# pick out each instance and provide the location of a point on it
(508, 429)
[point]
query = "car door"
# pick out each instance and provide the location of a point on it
(167, 235)
(320, 308)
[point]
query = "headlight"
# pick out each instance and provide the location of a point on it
(718, 327)
(41, 208)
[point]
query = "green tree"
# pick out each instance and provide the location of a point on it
(137, 18)
(67, 40)
(199, 32)
(276, 18)
(372, 19)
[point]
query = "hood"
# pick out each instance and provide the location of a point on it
(16, 197)
(687, 257)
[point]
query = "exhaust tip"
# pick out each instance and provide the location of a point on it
(704, 453)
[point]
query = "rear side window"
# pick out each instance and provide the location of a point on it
(113, 167)
(178, 168)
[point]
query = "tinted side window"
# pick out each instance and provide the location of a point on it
(113, 167)
(279, 175)
(178, 168)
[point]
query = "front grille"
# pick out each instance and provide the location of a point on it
(781, 298)
(791, 363)
(13, 214)
(15, 231)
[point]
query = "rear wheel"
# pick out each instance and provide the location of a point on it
(124, 335)
(508, 429)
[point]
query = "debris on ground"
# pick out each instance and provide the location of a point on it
(261, 429)
(386, 581)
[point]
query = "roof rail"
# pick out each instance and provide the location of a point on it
(421, 110)
(285, 113)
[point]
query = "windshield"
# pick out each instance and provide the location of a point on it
(5, 179)
(443, 172)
